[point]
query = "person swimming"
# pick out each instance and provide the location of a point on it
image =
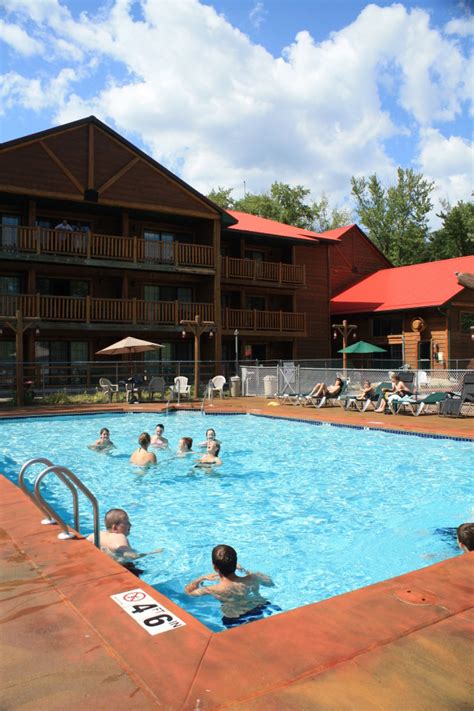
(158, 439)
(185, 446)
(211, 458)
(141, 456)
(239, 596)
(210, 435)
(103, 443)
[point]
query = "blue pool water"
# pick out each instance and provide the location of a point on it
(322, 510)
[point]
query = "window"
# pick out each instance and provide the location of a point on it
(466, 321)
(7, 353)
(256, 302)
(10, 285)
(230, 300)
(62, 287)
(61, 361)
(158, 246)
(9, 231)
(152, 292)
(387, 325)
(254, 254)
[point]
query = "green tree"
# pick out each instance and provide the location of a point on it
(396, 218)
(326, 218)
(222, 197)
(456, 236)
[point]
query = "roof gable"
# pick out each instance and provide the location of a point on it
(88, 160)
(402, 288)
(254, 224)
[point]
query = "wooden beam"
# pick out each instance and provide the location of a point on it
(61, 166)
(90, 163)
(216, 242)
(118, 175)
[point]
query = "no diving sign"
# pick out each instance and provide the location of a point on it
(153, 617)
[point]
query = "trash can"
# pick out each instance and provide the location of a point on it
(235, 386)
(270, 385)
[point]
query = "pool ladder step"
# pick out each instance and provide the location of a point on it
(72, 482)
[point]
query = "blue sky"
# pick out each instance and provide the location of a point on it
(307, 92)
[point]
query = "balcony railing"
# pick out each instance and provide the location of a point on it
(271, 272)
(252, 320)
(90, 310)
(89, 245)
(136, 311)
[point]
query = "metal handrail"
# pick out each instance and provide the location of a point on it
(24, 488)
(63, 473)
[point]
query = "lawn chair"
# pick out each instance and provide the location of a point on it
(454, 402)
(156, 385)
(216, 385)
(415, 405)
(373, 402)
(108, 387)
(180, 387)
(330, 400)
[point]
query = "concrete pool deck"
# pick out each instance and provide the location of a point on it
(402, 643)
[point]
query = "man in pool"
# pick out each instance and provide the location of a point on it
(158, 440)
(239, 596)
(465, 536)
(114, 540)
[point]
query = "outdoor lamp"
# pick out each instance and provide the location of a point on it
(37, 332)
(183, 333)
(211, 334)
(334, 335)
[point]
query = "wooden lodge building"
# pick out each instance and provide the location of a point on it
(99, 241)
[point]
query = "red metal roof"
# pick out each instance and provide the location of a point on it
(272, 228)
(400, 288)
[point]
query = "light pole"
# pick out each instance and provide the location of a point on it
(345, 329)
(18, 325)
(236, 343)
(197, 327)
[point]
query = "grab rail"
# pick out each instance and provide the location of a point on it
(73, 483)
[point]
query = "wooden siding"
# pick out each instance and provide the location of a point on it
(314, 301)
(461, 343)
(30, 169)
(353, 259)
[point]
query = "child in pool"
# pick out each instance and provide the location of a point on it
(104, 442)
(210, 435)
(212, 455)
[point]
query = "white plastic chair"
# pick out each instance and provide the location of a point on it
(180, 387)
(108, 387)
(216, 385)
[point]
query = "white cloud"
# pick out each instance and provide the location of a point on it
(209, 103)
(449, 162)
(461, 26)
(257, 15)
(35, 94)
(17, 38)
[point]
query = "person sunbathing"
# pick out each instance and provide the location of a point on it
(398, 389)
(323, 390)
(367, 392)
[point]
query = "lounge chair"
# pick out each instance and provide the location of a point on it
(330, 400)
(455, 402)
(415, 405)
(108, 387)
(352, 402)
(155, 385)
(180, 387)
(216, 385)
(296, 398)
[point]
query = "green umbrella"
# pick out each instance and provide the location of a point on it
(362, 347)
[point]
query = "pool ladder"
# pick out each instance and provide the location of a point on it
(72, 482)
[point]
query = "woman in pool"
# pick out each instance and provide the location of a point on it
(142, 457)
(323, 390)
(210, 437)
(211, 458)
(104, 442)
(185, 446)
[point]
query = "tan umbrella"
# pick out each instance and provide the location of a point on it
(128, 346)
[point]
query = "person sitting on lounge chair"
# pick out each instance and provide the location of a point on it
(398, 389)
(323, 390)
(367, 392)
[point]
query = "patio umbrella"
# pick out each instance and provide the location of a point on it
(128, 346)
(362, 347)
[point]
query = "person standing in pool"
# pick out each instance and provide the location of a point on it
(158, 440)
(185, 446)
(141, 456)
(212, 455)
(210, 436)
(239, 596)
(104, 442)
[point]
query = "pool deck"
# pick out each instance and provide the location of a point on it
(404, 643)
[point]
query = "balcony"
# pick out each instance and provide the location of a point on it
(250, 320)
(111, 311)
(277, 273)
(15, 240)
(116, 312)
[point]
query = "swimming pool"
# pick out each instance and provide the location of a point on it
(322, 510)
